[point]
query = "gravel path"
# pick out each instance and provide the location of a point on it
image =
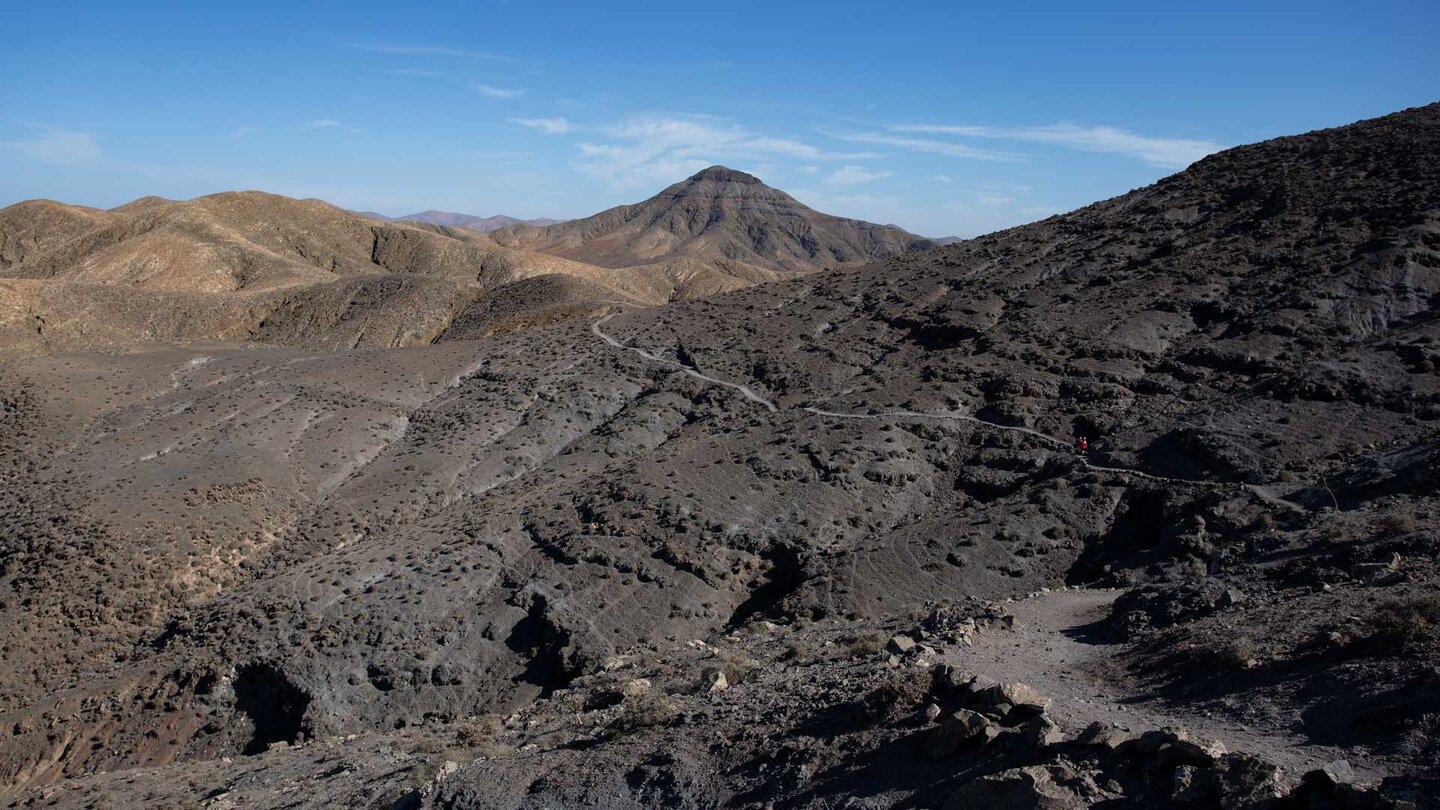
(1088, 683)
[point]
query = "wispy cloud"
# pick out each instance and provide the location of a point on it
(1163, 152)
(321, 123)
(943, 178)
(854, 175)
(495, 92)
(647, 150)
(59, 148)
(936, 147)
(428, 50)
(243, 132)
(550, 126)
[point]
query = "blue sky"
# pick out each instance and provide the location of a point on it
(945, 118)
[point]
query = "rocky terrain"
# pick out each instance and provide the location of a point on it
(824, 541)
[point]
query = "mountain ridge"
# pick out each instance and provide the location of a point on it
(474, 223)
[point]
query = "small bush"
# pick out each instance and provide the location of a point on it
(646, 711)
(866, 644)
(1239, 652)
(1339, 530)
(422, 774)
(1398, 523)
(738, 667)
(803, 651)
(1408, 619)
(482, 729)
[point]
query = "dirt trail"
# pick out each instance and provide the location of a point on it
(1048, 650)
(744, 390)
(1260, 492)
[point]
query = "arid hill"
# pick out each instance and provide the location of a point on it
(254, 267)
(823, 542)
(723, 218)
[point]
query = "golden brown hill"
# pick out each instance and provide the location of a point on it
(728, 221)
(249, 266)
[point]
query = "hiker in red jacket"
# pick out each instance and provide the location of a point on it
(1083, 445)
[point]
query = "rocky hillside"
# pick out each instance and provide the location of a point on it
(818, 542)
(723, 217)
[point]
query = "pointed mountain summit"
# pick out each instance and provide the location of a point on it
(723, 217)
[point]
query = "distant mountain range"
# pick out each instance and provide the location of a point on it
(256, 267)
(451, 219)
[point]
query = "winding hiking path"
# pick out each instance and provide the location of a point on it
(744, 390)
(1049, 650)
(1255, 489)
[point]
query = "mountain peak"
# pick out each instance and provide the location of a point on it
(724, 174)
(720, 216)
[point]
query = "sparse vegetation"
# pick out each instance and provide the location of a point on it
(1408, 619)
(646, 710)
(1238, 652)
(802, 651)
(1399, 523)
(866, 644)
(738, 667)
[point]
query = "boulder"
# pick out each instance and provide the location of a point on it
(1040, 731)
(1104, 735)
(1029, 788)
(1247, 781)
(1176, 746)
(900, 645)
(717, 682)
(1017, 695)
(1194, 785)
(634, 687)
(955, 730)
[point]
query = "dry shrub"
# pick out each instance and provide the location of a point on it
(646, 711)
(1408, 619)
(866, 644)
